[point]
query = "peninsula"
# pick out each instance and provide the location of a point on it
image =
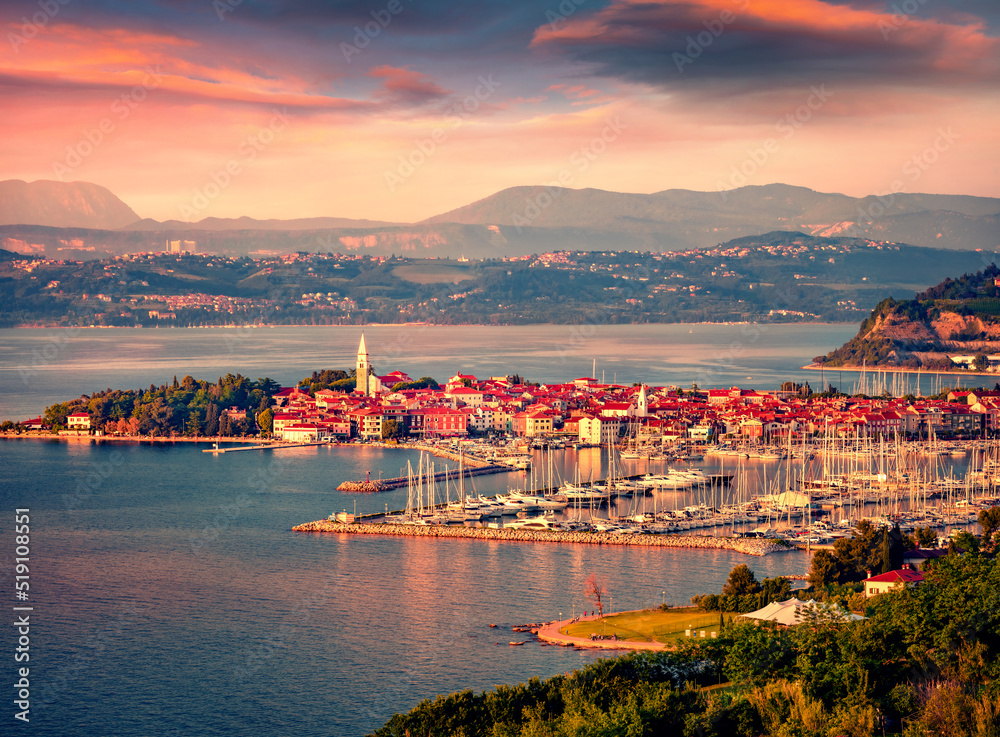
(951, 327)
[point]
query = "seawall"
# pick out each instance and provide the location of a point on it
(748, 546)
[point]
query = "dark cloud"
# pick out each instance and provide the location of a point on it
(741, 45)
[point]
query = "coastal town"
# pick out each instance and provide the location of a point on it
(580, 411)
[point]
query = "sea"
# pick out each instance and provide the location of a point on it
(169, 596)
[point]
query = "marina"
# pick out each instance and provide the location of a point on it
(810, 495)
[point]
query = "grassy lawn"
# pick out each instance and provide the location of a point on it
(650, 625)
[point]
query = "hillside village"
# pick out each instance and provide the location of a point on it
(775, 277)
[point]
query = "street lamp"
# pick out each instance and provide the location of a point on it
(663, 598)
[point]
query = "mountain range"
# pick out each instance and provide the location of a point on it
(81, 218)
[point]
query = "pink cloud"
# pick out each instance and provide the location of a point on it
(403, 85)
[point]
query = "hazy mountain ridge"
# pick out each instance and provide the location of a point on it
(248, 223)
(513, 222)
(62, 205)
(681, 219)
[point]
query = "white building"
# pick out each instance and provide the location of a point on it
(599, 430)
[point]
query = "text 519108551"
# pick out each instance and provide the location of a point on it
(22, 613)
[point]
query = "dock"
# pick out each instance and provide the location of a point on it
(401, 481)
(268, 446)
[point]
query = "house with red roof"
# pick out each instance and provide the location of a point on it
(78, 421)
(599, 430)
(444, 422)
(282, 420)
(465, 395)
(36, 424)
(303, 432)
(366, 423)
(892, 581)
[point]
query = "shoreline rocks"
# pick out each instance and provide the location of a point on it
(747, 546)
(363, 487)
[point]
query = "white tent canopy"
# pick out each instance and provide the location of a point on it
(793, 611)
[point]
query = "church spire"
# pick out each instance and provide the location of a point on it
(642, 406)
(361, 373)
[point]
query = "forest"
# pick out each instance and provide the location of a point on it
(186, 407)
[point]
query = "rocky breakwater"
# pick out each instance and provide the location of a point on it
(748, 546)
(363, 487)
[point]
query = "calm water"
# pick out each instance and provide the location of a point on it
(171, 598)
(40, 367)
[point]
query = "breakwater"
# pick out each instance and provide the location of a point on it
(748, 546)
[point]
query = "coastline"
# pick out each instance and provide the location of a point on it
(746, 546)
(896, 370)
(231, 326)
(550, 633)
(135, 439)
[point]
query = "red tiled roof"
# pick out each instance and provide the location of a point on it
(905, 575)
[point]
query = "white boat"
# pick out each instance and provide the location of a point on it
(578, 495)
(542, 522)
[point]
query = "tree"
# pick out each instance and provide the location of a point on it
(776, 589)
(194, 423)
(595, 589)
(825, 569)
(980, 362)
(212, 419)
(859, 554)
(265, 421)
(391, 430)
(989, 520)
(758, 653)
(741, 582)
(964, 541)
(886, 551)
(925, 536)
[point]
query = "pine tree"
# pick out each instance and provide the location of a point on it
(886, 551)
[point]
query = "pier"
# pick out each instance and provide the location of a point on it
(401, 481)
(269, 446)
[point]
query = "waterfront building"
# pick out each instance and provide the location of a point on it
(78, 421)
(599, 430)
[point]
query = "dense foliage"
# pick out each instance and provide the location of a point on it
(924, 662)
(186, 407)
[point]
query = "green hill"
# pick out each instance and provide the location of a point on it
(958, 316)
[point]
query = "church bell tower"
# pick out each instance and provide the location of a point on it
(361, 373)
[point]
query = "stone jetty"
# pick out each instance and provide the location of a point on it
(364, 487)
(748, 546)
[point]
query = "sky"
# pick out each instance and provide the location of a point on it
(398, 110)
